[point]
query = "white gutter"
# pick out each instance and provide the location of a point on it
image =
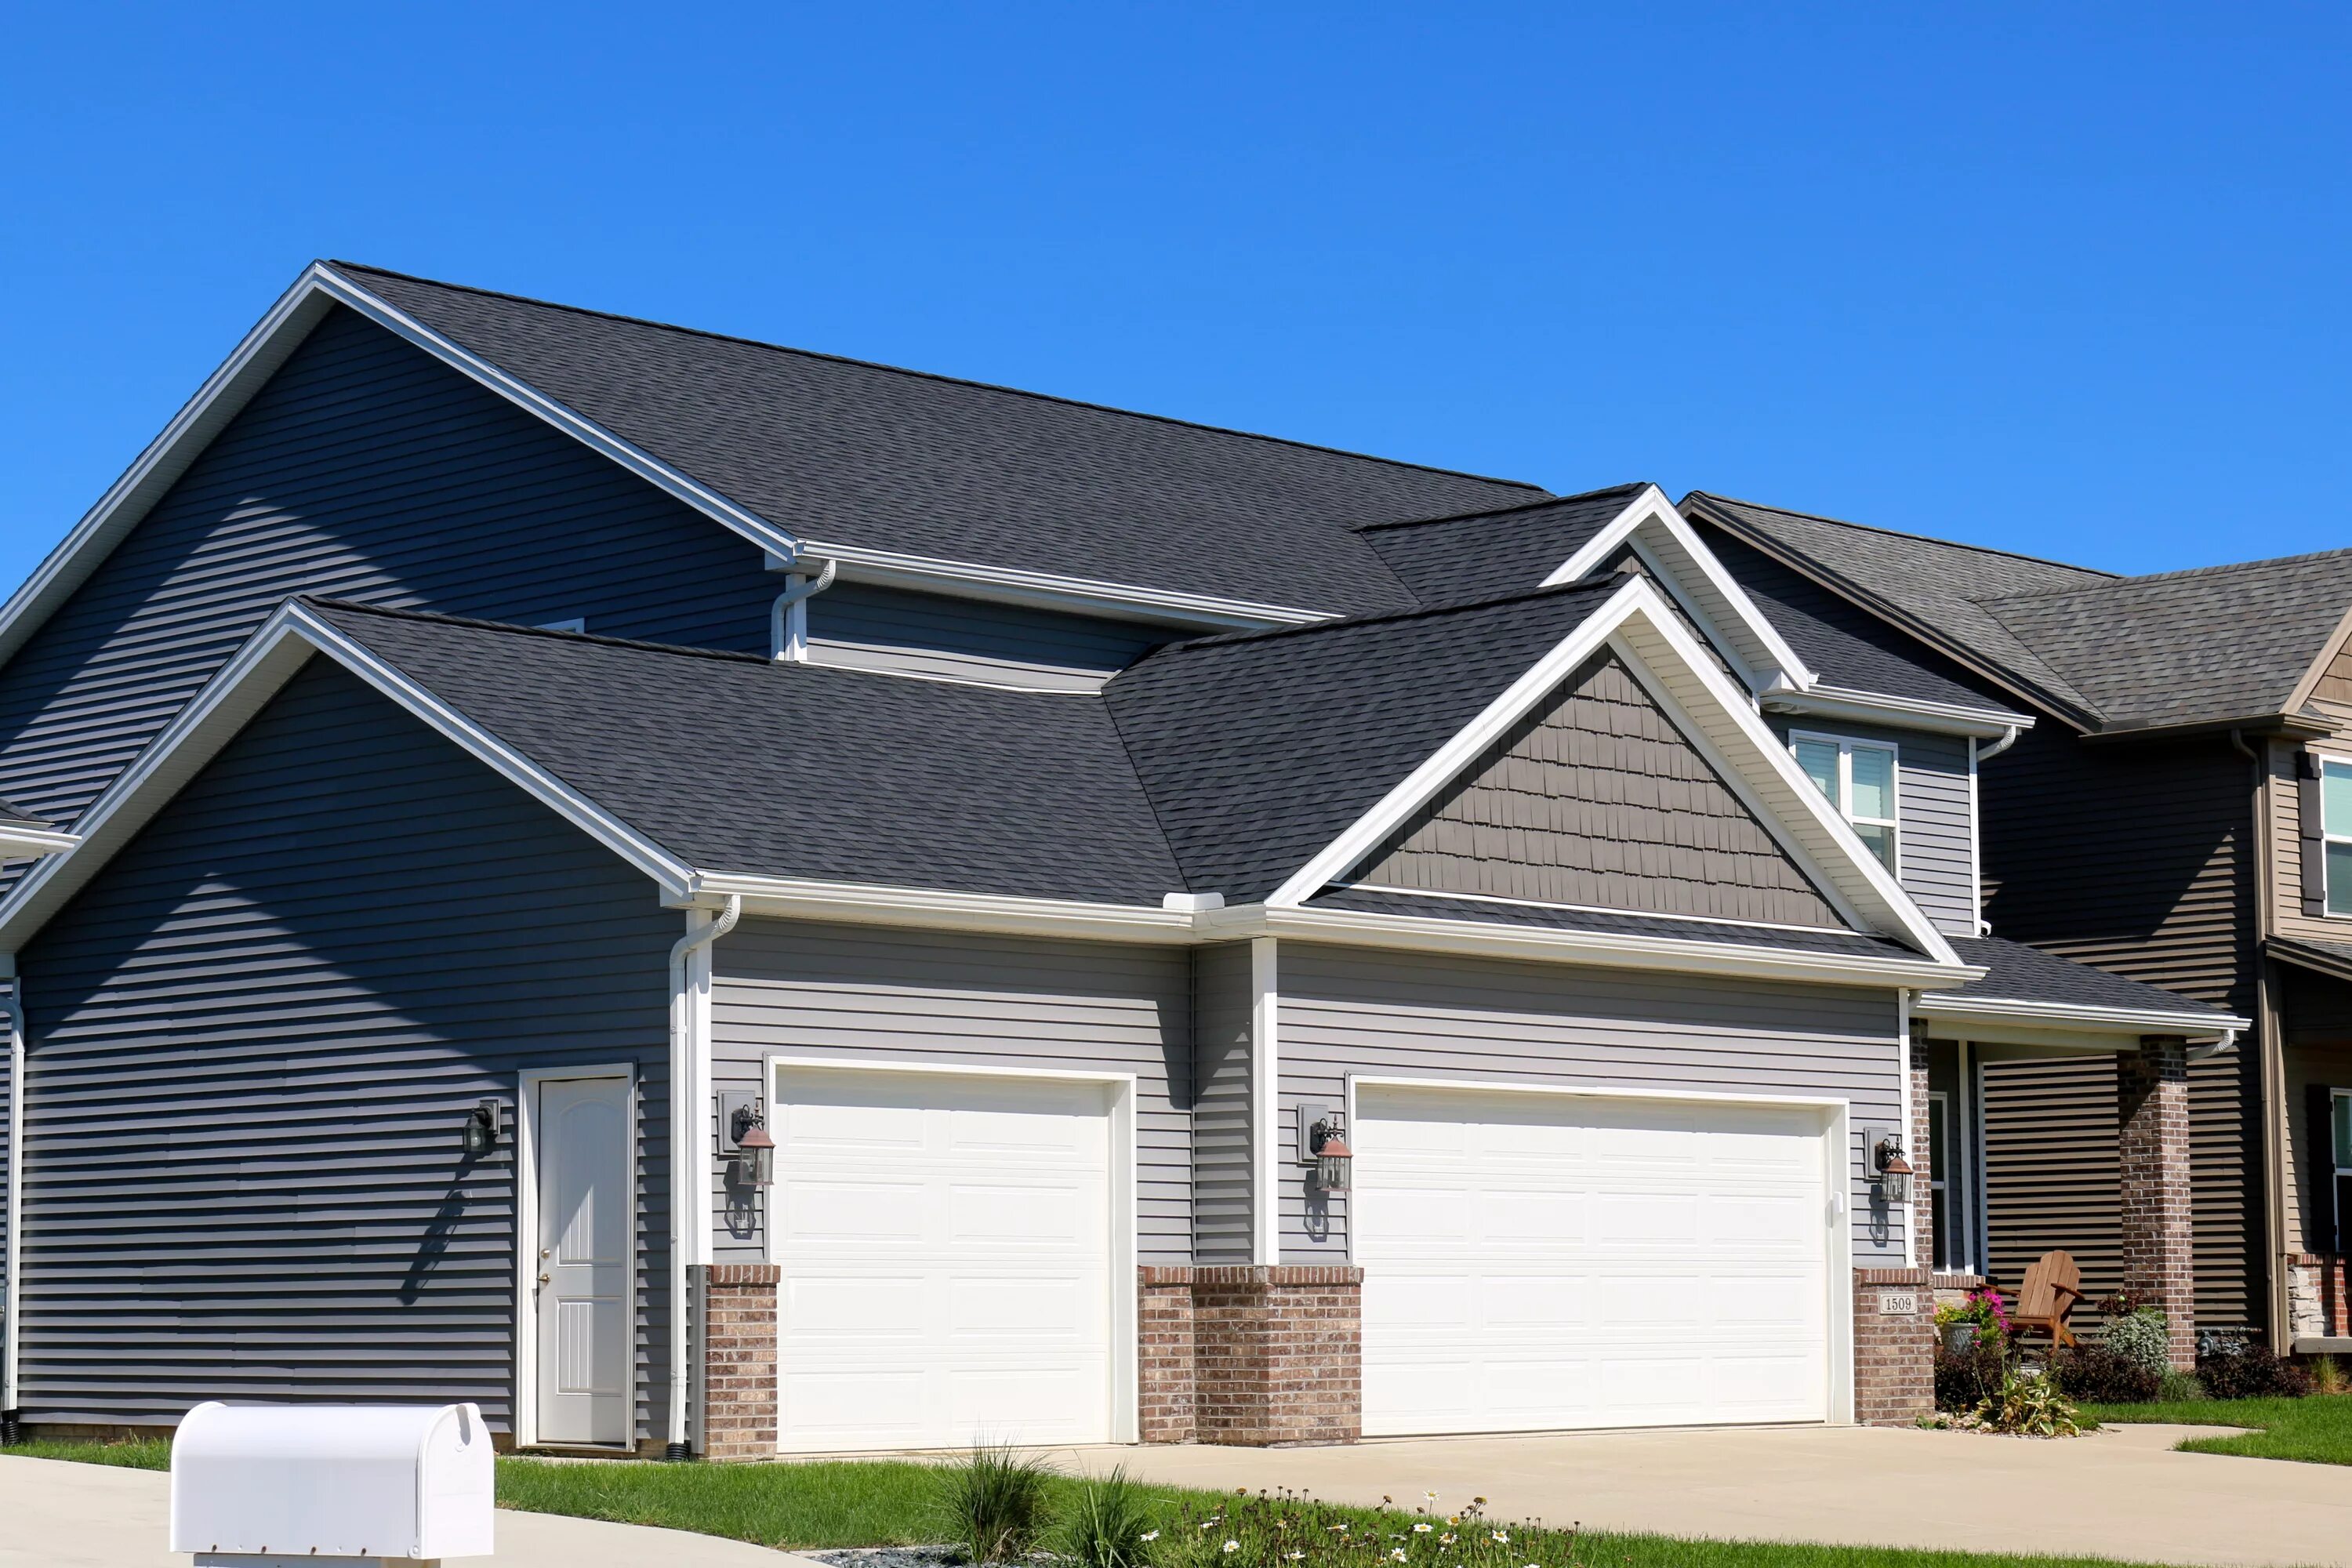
(2076, 1016)
(689, 1237)
(1870, 707)
(789, 629)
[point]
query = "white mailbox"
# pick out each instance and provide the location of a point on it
(253, 1484)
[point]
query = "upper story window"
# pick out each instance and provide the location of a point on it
(1858, 777)
(2335, 827)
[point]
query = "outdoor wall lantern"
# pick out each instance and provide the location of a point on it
(755, 1152)
(1894, 1171)
(481, 1131)
(1323, 1145)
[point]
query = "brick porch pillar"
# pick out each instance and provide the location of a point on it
(739, 1360)
(1917, 1145)
(1165, 1355)
(1277, 1353)
(2152, 1161)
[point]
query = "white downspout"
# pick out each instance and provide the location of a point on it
(689, 1237)
(788, 634)
(2008, 738)
(16, 1207)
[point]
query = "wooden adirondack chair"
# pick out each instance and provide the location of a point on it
(2053, 1285)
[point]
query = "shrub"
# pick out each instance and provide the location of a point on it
(2143, 1335)
(2251, 1372)
(993, 1503)
(2179, 1387)
(1967, 1379)
(2100, 1374)
(2026, 1406)
(1108, 1525)
(2327, 1375)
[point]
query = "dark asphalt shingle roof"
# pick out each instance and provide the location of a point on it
(2014, 972)
(733, 763)
(1260, 749)
(2177, 646)
(1447, 560)
(844, 452)
(1862, 944)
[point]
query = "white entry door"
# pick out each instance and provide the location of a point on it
(584, 1195)
(1540, 1261)
(946, 1244)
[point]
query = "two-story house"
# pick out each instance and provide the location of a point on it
(716, 898)
(2180, 813)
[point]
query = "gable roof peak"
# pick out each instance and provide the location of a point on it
(1899, 533)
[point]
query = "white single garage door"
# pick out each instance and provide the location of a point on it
(946, 1244)
(1538, 1261)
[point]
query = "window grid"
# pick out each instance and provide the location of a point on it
(1865, 795)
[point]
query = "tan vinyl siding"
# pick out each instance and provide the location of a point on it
(2317, 1013)
(2137, 859)
(2335, 683)
(1597, 799)
(2284, 798)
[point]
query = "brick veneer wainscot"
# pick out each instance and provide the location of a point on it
(1895, 1341)
(739, 1360)
(1253, 1356)
(2152, 1157)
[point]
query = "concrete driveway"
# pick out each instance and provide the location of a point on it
(59, 1515)
(2120, 1494)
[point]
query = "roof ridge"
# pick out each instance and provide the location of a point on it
(726, 656)
(2180, 572)
(936, 376)
(1346, 623)
(1634, 488)
(1904, 534)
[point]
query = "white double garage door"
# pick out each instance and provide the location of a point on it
(957, 1260)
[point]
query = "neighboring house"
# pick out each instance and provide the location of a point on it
(2180, 813)
(510, 762)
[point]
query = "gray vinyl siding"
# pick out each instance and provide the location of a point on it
(365, 469)
(803, 988)
(1355, 1011)
(1224, 1000)
(253, 1038)
(1935, 825)
(1597, 799)
(867, 626)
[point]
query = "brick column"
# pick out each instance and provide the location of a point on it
(739, 1360)
(1895, 1341)
(1920, 1149)
(2152, 1160)
(1163, 1321)
(1277, 1354)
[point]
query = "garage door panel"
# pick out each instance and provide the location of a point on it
(1588, 1262)
(946, 1288)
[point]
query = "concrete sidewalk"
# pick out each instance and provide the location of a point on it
(2119, 1493)
(54, 1514)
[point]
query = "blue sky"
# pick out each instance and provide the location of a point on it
(2070, 280)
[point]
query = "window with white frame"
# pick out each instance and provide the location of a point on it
(2335, 827)
(1858, 776)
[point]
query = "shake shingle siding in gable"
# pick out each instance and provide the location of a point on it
(368, 470)
(1597, 798)
(253, 1038)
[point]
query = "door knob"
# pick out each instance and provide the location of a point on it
(545, 1278)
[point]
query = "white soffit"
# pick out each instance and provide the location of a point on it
(1656, 531)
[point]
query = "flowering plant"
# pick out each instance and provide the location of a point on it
(1984, 1308)
(1291, 1530)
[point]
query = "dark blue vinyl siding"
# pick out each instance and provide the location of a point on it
(872, 628)
(255, 1036)
(365, 469)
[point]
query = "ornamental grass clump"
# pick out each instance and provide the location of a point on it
(1106, 1524)
(993, 1503)
(1290, 1530)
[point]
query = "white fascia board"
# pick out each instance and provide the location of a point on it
(28, 843)
(2130, 1021)
(286, 642)
(1050, 591)
(1659, 532)
(874, 904)
(1612, 950)
(1899, 712)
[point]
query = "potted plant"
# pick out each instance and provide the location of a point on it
(1981, 1316)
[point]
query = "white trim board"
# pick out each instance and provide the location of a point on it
(1126, 1242)
(525, 1414)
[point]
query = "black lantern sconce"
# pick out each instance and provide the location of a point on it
(1323, 1145)
(1890, 1169)
(480, 1134)
(755, 1152)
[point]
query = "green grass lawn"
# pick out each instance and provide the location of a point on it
(2316, 1431)
(877, 1502)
